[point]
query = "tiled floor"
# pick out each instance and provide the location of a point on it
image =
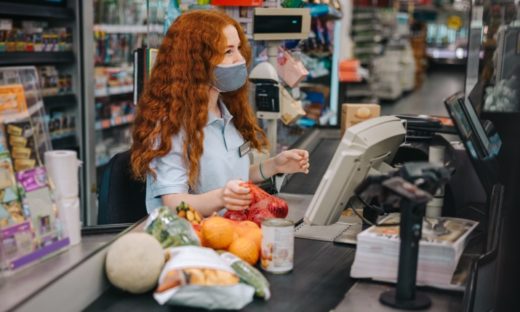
(441, 82)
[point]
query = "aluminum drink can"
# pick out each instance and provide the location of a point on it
(277, 245)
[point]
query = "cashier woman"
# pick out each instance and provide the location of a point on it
(194, 124)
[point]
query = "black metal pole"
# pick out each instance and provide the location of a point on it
(410, 234)
(404, 296)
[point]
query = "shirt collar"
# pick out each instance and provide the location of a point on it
(226, 115)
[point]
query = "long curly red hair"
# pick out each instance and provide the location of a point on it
(176, 96)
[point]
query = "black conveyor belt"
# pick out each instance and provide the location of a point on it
(319, 281)
(319, 159)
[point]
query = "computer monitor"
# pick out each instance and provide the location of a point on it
(363, 147)
(478, 143)
(281, 23)
(482, 147)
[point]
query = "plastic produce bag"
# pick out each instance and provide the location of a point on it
(248, 274)
(198, 277)
(263, 206)
(169, 229)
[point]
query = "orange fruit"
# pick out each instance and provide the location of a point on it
(243, 227)
(249, 230)
(217, 232)
(255, 236)
(246, 249)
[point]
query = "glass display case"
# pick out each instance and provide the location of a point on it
(493, 71)
(113, 29)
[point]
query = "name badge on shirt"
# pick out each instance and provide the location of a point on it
(244, 149)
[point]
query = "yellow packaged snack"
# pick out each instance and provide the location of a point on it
(198, 277)
(17, 141)
(21, 152)
(14, 130)
(24, 164)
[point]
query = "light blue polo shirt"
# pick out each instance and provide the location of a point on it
(219, 162)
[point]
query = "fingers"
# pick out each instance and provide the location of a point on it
(238, 187)
(295, 154)
(236, 196)
(298, 161)
(242, 190)
(236, 204)
(303, 153)
(241, 193)
(298, 154)
(304, 160)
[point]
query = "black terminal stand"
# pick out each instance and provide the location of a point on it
(409, 189)
(413, 207)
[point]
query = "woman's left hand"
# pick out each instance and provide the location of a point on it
(292, 161)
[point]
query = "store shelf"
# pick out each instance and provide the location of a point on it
(319, 54)
(114, 122)
(325, 10)
(70, 144)
(35, 58)
(310, 81)
(127, 29)
(60, 100)
(60, 135)
(114, 91)
(10, 9)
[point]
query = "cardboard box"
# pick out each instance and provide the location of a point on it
(352, 114)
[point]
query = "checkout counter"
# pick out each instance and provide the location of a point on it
(75, 279)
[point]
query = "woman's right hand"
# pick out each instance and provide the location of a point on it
(236, 196)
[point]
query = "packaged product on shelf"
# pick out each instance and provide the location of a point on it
(114, 49)
(33, 229)
(11, 41)
(29, 227)
(3, 40)
(25, 151)
(291, 70)
(12, 99)
(291, 109)
(11, 211)
(38, 41)
(43, 210)
(49, 80)
(50, 42)
(35, 36)
(198, 277)
(20, 40)
(113, 80)
(3, 141)
(352, 114)
(6, 24)
(26, 133)
(62, 123)
(64, 83)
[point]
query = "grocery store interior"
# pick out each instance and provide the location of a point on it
(404, 115)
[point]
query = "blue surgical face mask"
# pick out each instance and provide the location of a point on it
(230, 77)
